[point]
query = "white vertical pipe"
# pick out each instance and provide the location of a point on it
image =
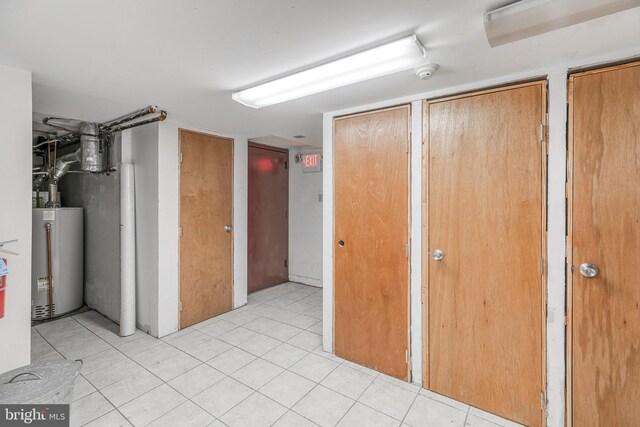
(127, 251)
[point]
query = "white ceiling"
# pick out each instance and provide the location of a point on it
(96, 60)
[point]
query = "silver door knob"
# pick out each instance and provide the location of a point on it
(588, 270)
(228, 228)
(437, 255)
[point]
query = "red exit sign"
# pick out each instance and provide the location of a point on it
(311, 163)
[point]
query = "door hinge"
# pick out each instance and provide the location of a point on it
(285, 263)
(286, 164)
(181, 157)
(406, 250)
(180, 232)
(406, 356)
(541, 132)
(180, 305)
(543, 402)
(542, 266)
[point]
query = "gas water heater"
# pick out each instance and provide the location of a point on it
(57, 269)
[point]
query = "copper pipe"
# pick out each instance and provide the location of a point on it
(49, 269)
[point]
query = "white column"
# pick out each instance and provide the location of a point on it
(327, 227)
(556, 286)
(416, 242)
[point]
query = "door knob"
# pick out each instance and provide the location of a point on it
(228, 228)
(437, 255)
(588, 270)
(341, 243)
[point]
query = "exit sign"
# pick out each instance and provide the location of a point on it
(311, 163)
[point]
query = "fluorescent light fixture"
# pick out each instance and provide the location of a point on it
(527, 18)
(380, 61)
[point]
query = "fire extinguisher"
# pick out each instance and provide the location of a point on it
(3, 288)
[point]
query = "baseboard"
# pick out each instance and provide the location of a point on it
(305, 280)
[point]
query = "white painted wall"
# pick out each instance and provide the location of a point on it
(15, 214)
(167, 229)
(556, 285)
(99, 195)
(305, 222)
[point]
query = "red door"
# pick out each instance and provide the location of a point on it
(268, 221)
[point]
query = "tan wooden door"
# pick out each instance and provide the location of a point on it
(605, 230)
(371, 281)
(485, 213)
(268, 222)
(206, 200)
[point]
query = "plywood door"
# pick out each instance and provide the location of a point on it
(605, 231)
(206, 201)
(268, 245)
(371, 219)
(485, 213)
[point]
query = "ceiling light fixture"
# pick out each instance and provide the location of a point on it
(380, 61)
(527, 18)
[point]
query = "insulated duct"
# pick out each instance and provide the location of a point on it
(64, 164)
(93, 153)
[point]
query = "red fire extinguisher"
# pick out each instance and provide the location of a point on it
(3, 288)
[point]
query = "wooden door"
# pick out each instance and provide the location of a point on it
(486, 192)
(268, 245)
(604, 330)
(206, 201)
(371, 276)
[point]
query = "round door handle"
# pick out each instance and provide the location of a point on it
(588, 270)
(437, 255)
(341, 243)
(228, 228)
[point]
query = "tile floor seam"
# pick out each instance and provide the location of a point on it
(409, 409)
(306, 394)
(378, 410)
(195, 403)
(145, 369)
(233, 407)
(132, 399)
(114, 408)
(131, 359)
(347, 411)
(341, 393)
(281, 416)
(162, 415)
(108, 343)
(261, 333)
(52, 346)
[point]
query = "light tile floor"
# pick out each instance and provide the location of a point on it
(259, 365)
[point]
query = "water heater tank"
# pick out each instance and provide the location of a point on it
(66, 262)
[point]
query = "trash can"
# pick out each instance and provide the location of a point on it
(41, 383)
